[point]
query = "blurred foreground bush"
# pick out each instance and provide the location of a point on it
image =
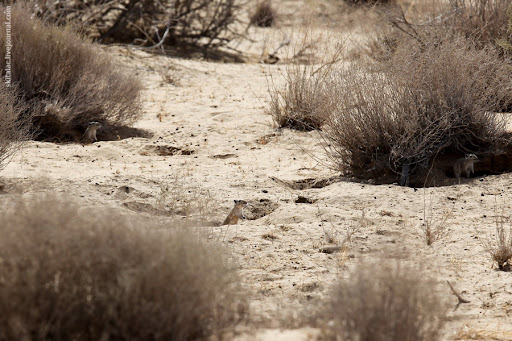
(68, 273)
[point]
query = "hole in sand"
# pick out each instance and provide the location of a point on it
(258, 209)
(145, 208)
(162, 150)
(308, 183)
(304, 200)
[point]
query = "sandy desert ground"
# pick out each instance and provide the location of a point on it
(211, 140)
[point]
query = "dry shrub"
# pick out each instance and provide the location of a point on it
(14, 125)
(500, 245)
(380, 302)
(427, 100)
(179, 195)
(66, 81)
(87, 274)
(304, 102)
(206, 23)
(486, 22)
(264, 14)
(435, 228)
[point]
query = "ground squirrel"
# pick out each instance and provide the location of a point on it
(465, 164)
(90, 132)
(236, 213)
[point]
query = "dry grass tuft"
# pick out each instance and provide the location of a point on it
(301, 105)
(65, 81)
(435, 229)
(304, 102)
(428, 99)
(264, 14)
(178, 197)
(383, 302)
(500, 245)
(14, 126)
(86, 274)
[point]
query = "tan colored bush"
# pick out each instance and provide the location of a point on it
(14, 126)
(85, 274)
(380, 302)
(305, 101)
(302, 103)
(66, 81)
(427, 100)
(486, 22)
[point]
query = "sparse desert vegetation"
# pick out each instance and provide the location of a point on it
(72, 273)
(206, 23)
(384, 301)
(15, 126)
(65, 81)
(426, 101)
(499, 243)
(323, 125)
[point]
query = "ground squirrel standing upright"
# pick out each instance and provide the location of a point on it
(466, 164)
(90, 132)
(236, 213)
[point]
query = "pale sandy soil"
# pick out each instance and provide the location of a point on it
(217, 111)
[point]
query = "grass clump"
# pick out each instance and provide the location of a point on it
(66, 81)
(305, 101)
(500, 246)
(84, 274)
(14, 126)
(384, 303)
(264, 14)
(428, 99)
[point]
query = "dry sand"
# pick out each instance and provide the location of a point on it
(216, 114)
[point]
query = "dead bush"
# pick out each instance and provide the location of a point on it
(66, 81)
(427, 100)
(302, 103)
(205, 23)
(85, 274)
(264, 15)
(499, 246)
(305, 101)
(380, 302)
(486, 22)
(14, 126)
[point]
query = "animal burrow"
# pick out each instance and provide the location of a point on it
(304, 200)
(259, 208)
(142, 207)
(163, 150)
(308, 183)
